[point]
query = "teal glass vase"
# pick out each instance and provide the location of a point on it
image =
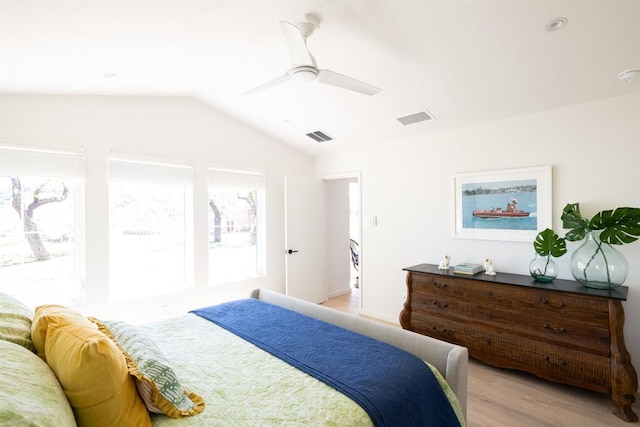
(598, 265)
(543, 268)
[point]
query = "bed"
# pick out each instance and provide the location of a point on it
(222, 377)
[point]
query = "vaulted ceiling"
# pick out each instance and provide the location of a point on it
(465, 62)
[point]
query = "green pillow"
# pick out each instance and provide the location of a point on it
(157, 383)
(30, 393)
(15, 322)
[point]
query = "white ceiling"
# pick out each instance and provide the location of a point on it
(466, 62)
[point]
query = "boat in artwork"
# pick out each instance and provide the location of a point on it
(511, 211)
(499, 213)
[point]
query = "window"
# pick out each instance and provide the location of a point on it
(236, 226)
(41, 210)
(150, 228)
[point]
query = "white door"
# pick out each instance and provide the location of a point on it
(304, 239)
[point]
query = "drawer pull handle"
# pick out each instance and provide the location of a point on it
(561, 363)
(488, 342)
(546, 301)
(556, 330)
(489, 316)
(441, 305)
(442, 331)
(439, 285)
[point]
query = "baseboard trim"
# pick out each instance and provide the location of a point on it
(379, 316)
(339, 292)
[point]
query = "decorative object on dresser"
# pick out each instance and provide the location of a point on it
(547, 244)
(467, 268)
(559, 331)
(597, 264)
(444, 264)
(489, 269)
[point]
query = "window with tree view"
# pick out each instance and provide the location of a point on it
(41, 225)
(236, 226)
(150, 223)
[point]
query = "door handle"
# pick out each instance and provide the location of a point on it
(291, 251)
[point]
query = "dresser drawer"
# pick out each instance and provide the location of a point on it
(558, 331)
(540, 302)
(500, 348)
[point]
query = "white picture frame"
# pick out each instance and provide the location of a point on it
(507, 205)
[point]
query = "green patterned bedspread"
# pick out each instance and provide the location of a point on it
(243, 385)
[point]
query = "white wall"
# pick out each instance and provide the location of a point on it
(172, 128)
(594, 149)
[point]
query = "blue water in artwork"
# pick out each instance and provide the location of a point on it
(526, 202)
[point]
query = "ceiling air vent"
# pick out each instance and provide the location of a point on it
(421, 116)
(319, 136)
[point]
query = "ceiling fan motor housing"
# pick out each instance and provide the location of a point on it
(304, 73)
(306, 28)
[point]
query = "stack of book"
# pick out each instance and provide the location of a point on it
(467, 268)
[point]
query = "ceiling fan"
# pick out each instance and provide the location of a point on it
(303, 64)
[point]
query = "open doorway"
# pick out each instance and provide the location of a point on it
(343, 246)
(354, 233)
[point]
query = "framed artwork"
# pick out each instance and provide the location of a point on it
(511, 205)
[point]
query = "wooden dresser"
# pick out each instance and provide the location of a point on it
(560, 331)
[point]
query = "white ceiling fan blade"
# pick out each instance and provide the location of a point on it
(300, 55)
(335, 79)
(271, 83)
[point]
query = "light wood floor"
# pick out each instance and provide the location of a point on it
(506, 398)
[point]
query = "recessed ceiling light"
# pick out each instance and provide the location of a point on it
(109, 75)
(556, 24)
(629, 75)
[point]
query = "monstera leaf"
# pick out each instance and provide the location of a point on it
(548, 243)
(571, 218)
(618, 227)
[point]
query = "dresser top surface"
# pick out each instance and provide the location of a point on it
(619, 293)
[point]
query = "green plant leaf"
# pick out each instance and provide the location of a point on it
(547, 242)
(618, 227)
(572, 219)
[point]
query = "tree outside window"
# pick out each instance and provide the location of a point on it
(236, 245)
(38, 245)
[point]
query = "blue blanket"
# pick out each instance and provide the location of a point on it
(394, 387)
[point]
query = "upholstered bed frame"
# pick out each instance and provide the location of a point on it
(451, 360)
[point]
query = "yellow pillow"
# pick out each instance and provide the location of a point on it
(90, 367)
(54, 316)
